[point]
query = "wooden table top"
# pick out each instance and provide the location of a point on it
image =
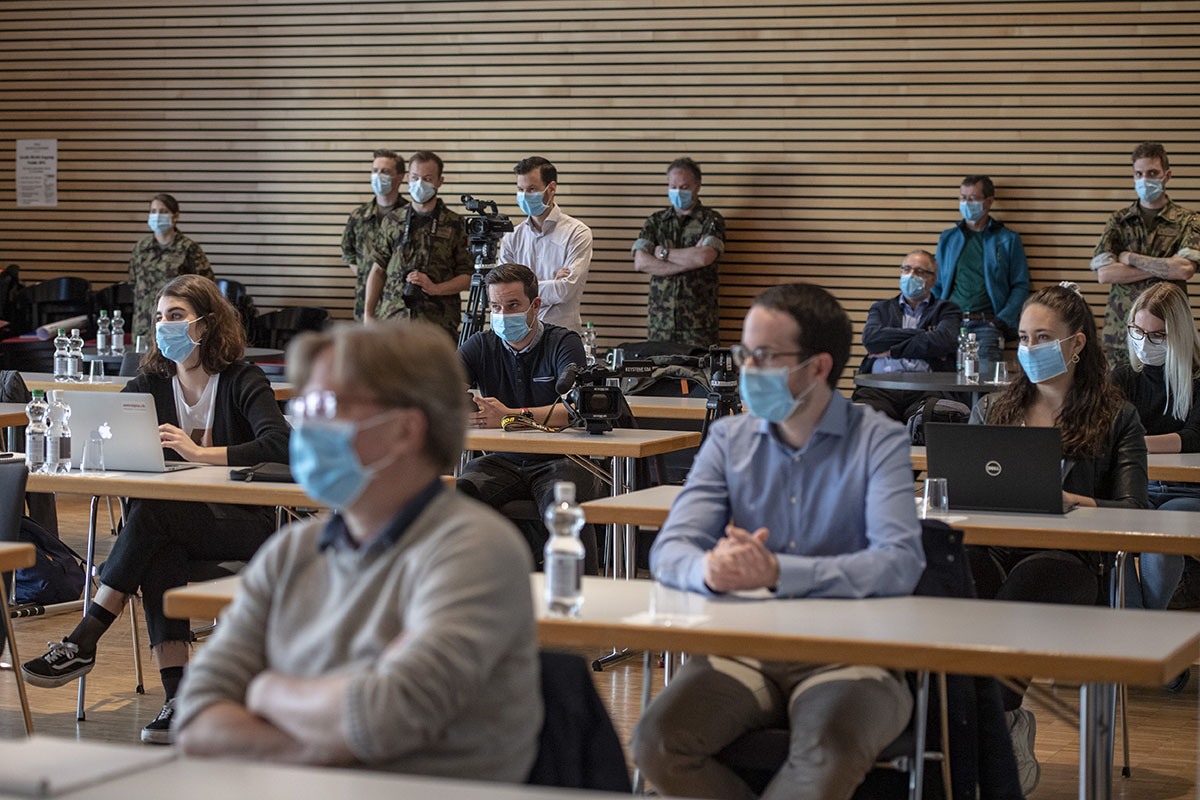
(12, 414)
(667, 407)
(1180, 467)
(115, 383)
(970, 637)
(14, 555)
(1105, 529)
(621, 442)
(204, 484)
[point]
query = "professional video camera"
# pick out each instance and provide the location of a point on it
(484, 233)
(590, 399)
(723, 396)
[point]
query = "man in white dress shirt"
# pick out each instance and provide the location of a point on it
(557, 247)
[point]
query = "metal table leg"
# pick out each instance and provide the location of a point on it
(620, 555)
(87, 591)
(1097, 702)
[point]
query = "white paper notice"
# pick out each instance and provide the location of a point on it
(37, 172)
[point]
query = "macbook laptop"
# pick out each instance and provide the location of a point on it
(128, 424)
(997, 467)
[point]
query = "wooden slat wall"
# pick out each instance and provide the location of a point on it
(833, 135)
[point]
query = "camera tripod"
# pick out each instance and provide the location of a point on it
(723, 401)
(477, 302)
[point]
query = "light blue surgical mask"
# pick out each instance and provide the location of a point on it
(325, 463)
(532, 203)
(1042, 362)
(971, 210)
(159, 223)
(1148, 189)
(911, 286)
(766, 394)
(173, 339)
(380, 183)
(421, 191)
(680, 198)
(510, 327)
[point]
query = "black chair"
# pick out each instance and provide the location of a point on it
(57, 298)
(277, 328)
(129, 363)
(971, 742)
(239, 297)
(12, 504)
(117, 297)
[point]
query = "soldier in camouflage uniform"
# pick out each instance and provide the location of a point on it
(1150, 241)
(363, 241)
(679, 247)
(160, 257)
(430, 265)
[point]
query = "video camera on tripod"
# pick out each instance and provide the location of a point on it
(589, 396)
(484, 232)
(723, 396)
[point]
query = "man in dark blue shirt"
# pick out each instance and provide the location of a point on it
(515, 365)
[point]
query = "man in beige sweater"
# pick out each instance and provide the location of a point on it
(398, 633)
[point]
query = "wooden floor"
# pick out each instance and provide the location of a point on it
(1163, 726)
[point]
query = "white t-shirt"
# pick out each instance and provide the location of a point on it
(196, 421)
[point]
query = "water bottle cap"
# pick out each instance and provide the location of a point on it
(74, 331)
(39, 394)
(103, 313)
(564, 492)
(971, 337)
(62, 331)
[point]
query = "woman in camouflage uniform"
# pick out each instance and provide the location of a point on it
(160, 257)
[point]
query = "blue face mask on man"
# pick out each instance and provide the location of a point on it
(1148, 189)
(173, 339)
(911, 286)
(159, 223)
(324, 462)
(421, 191)
(1042, 362)
(971, 210)
(532, 203)
(380, 183)
(680, 198)
(765, 392)
(511, 327)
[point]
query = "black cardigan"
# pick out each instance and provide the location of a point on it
(1147, 390)
(246, 415)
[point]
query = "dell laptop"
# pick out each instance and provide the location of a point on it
(997, 467)
(127, 423)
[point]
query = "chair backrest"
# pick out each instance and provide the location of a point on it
(129, 364)
(58, 298)
(12, 499)
(233, 290)
(277, 328)
(947, 571)
(118, 296)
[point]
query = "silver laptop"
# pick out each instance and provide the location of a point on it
(128, 424)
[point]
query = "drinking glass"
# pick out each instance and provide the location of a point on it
(93, 454)
(936, 501)
(1001, 375)
(96, 374)
(141, 344)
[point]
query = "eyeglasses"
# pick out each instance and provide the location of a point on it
(920, 273)
(1155, 337)
(313, 406)
(761, 355)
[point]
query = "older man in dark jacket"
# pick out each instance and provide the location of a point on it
(911, 332)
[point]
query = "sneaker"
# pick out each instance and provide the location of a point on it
(1180, 681)
(159, 731)
(61, 665)
(1022, 732)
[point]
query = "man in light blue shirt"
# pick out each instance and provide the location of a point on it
(806, 496)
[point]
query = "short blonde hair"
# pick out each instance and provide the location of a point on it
(405, 364)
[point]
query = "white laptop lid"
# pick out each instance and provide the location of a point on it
(127, 421)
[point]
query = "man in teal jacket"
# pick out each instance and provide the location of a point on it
(982, 270)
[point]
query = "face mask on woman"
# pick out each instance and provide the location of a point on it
(159, 223)
(1148, 352)
(1042, 362)
(173, 339)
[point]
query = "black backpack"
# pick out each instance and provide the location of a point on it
(935, 409)
(57, 574)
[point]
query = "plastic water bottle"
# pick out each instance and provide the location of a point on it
(58, 437)
(962, 348)
(103, 335)
(971, 360)
(564, 553)
(117, 346)
(75, 356)
(35, 432)
(589, 343)
(62, 366)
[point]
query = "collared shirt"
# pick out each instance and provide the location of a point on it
(365, 241)
(839, 510)
(684, 308)
(912, 316)
(563, 241)
(1175, 233)
(434, 243)
(336, 533)
(151, 265)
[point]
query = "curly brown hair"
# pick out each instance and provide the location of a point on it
(1092, 402)
(223, 342)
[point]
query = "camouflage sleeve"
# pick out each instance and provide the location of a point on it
(1189, 243)
(713, 234)
(648, 238)
(197, 263)
(349, 242)
(463, 263)
(1110, 245)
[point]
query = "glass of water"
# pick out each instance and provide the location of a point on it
(936, 501)
(1001, 375)
(96, 373)
(93, 453)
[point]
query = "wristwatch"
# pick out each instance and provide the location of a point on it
(666, 252)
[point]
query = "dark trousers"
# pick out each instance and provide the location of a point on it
(899, 404)
(1038, 576)
(497, 480)
(162, 537)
